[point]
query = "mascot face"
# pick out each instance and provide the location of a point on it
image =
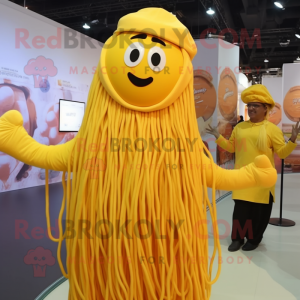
(143, 69)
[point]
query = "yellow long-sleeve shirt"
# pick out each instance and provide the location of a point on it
(243, 143)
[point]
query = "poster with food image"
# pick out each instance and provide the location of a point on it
(215, 91)
(16, 97)
(205, 97)
(275, 114)
(274, 86)
(292, 162)
(40, 112)
(291, 112)
(228, 95)
(227, 116)
(204, 94)
(291, 103)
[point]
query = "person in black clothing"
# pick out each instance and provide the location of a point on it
(241, 119)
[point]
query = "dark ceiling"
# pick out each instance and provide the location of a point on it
(273, 25)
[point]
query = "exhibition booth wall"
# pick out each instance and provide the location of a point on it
(243, 84)
(216, 72)
(291, 111)
(274, 85)
(41, 62)
(286, 92)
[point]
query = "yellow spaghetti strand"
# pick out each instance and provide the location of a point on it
(117, 190)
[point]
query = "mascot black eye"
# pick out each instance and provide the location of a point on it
(134, 54)
(156, 59)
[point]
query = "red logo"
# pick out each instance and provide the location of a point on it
(39, 258)
(40, 68)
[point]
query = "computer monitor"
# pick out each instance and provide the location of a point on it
(70, 115)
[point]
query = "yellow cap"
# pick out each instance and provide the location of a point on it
(160, 23)
(257, 93)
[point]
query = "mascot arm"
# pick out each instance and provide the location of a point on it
(15, 141)
(260, 173)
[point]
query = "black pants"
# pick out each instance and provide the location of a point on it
(250, 220)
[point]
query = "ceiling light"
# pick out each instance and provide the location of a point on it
(278, 4)
(284, 42)
(210, 11)
(95, 21)
(86, 26)
(266, 60)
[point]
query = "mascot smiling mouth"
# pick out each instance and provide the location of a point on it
(139, 81)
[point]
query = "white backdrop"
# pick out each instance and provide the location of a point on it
(291, 105)
(274, 86)
(41, 62)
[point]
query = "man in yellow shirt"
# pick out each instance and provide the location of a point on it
(257, 136)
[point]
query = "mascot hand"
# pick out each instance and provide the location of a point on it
(10, 122)
(264, 173)
(12, 117)
(16, 142)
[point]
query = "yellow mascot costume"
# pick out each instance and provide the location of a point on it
(136, 193)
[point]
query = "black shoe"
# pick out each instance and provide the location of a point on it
(235, 246)
(249, 247)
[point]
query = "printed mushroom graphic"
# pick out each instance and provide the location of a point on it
(39, 258)
(40, 68)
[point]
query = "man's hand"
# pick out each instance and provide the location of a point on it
(295, 132)
(213, 131)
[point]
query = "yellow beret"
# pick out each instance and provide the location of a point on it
(160, 23)
(257, 93)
